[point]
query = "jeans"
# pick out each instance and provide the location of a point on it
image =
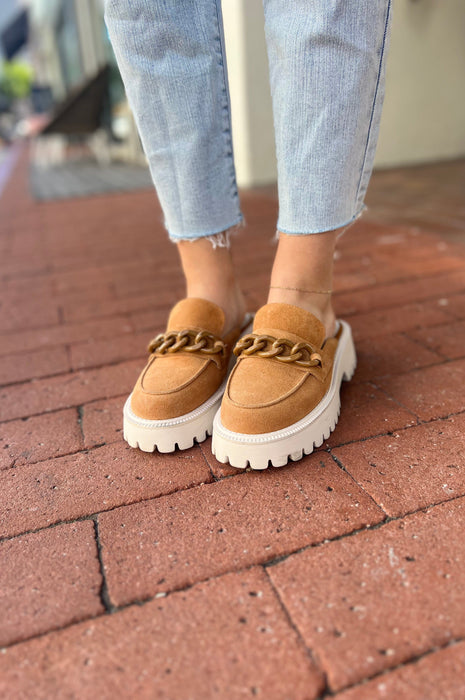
(327, 68)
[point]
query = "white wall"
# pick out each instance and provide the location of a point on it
(424, 110)
(252, 120)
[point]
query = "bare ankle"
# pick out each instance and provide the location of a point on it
(228, 297)
(320, 305)
(209, 274)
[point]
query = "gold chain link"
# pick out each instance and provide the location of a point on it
(301, 353)
(188, 341)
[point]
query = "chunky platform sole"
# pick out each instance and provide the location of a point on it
(276, 448)
(167, 435)
(181, 432)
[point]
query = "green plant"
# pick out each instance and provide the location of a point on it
(16, 79)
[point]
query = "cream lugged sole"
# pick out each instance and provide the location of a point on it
(166, 435)
(276, 448)
(181, 432)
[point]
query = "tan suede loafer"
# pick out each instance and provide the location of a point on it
(179, 390)
(282, 397)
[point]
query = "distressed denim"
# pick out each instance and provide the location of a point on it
(327, 69)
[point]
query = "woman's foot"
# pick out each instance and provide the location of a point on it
(282, 397)
(180, 388)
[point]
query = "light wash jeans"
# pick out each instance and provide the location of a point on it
(327, 67)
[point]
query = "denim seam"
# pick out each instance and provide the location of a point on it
(373, 108)
(226, 107)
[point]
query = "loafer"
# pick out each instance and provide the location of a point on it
(282, 399)
(179, 390)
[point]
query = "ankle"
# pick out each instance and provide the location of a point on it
(209, 274)
(320, 305)
(226, 294)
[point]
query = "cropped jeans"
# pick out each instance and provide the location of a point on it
(327, 68)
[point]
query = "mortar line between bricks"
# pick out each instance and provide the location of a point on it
(80, 418)
(50, 459)
(353, 533)
(72, 370)
(124, 316)
(385, 672)
(393, 398)
(30, 380)
(393, 283)
(389, 433)
(423, 346)
(359, 338)
(91, 516)
(343, 468)
(215, 478)
(132, 358)
(69, 373)
(312, 655)
(94, 267)
(60, 408)
(104, 591)
(68, 357)
(64, 408)
(133, 603)
(105, 316)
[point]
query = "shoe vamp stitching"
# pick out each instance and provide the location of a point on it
(180, 387)
(306, 375)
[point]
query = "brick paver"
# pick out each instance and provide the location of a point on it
(404, 355)
(35, 439)
(378, 599)
(133, 575)
(430, 393)
(101, 421)
(410, 469)
(48, 579)
(172, 542)
(228, 638)
(38, 495)
(367, 411)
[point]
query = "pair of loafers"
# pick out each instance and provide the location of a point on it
(268, 390)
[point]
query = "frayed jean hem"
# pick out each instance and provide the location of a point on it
(345, 225)
(219, 238)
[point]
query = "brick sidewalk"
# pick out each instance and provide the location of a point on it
(127, 575)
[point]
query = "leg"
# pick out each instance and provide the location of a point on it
(327, 66)
(172, 60)
(327, 74)
(171, 57)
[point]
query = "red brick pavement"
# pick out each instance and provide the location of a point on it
(127, 575)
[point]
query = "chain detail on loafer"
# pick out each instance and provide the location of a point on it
(301, 353)
(187, 340)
